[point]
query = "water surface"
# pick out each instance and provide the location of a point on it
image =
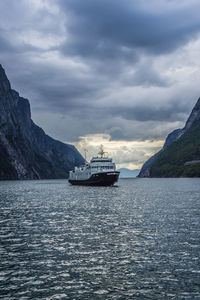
(139, 240)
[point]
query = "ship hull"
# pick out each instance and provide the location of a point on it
(98, 179)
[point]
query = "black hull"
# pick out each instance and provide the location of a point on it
(99, 179)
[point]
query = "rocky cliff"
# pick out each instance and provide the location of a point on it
(26, 152)
(181, 147)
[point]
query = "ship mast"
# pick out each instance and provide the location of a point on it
(101, 151)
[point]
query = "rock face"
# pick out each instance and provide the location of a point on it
(173, 136)
(181, 143)
(26, 152)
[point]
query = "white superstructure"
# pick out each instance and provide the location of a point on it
(96, 165)
(100, 170)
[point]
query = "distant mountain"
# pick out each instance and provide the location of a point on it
(127, 173)
(180, 155)
(26, 152)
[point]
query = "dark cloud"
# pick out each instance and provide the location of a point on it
(173, 112)
(113, 29)
(5, 46)
(98, 66)
(145, 75)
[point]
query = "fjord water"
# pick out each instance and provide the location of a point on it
(139, 240)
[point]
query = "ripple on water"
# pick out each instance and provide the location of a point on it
(138, 241)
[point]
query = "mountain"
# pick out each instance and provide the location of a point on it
(127, 173)
(173, 136)
(26, 152)
(180, 155)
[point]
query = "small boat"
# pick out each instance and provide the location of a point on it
(101, 171)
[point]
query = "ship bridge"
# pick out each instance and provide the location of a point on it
(100, 159)
(101, 164)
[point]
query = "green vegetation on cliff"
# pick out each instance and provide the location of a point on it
(171, 161)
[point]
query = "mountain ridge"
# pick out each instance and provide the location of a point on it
(26, 151)
(176, 136)
(128, 173)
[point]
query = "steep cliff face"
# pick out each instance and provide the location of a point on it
(26, 152)
(181, 147)
(173, 136)
(194, 117)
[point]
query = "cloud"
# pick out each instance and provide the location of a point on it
(128, 69)
(131, 153)
(110, 29)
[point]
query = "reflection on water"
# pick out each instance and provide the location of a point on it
(137, 241)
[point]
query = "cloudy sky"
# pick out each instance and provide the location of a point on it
(118, 73)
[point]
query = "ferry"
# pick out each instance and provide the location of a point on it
(101, 171)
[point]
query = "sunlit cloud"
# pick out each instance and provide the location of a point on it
(129, 154)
